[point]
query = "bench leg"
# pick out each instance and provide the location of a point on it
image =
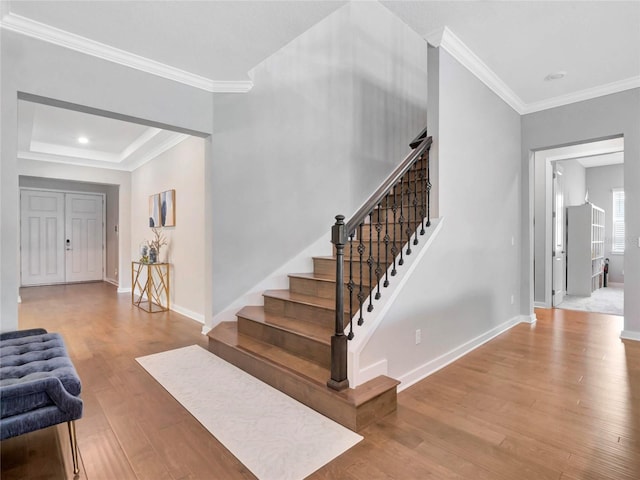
(74, 446)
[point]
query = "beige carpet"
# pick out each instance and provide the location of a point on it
(273, 435)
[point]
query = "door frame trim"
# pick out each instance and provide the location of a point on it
(104, 228)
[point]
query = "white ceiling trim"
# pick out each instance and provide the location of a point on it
(447, 40)
(87, 161)
(47, 33)
(148, 134)
(582, 95)
(41, 157)
(171, 142)
(53, 149)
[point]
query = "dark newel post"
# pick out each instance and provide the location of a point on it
(339, 380)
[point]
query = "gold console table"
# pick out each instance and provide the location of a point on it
(150, 281)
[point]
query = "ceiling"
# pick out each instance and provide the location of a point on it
(214, 45)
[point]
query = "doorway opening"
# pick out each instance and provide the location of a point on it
(576, 263)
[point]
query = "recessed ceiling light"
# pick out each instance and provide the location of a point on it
(83, 140)
(555, 76)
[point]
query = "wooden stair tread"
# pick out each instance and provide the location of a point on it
(290, 296)
(227, 332)
(311, 330)
(317, 276)
(306, 370)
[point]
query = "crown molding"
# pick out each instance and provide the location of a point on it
(587, 94)
(447, 40)
(56, 36)
(170, 142)
(41, 157)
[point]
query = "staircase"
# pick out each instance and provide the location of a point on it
(287, 343)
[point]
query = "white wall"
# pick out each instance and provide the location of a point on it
(33, 67)
(180, 168)
(599, 118)
(600, 182)
(288, 156)
(461, 290)
(110, 192)
(575, 183)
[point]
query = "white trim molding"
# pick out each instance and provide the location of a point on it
(442, 361)
(62, 38)
(198, 317)
(446, 39)
(587, 94)
(630, 335)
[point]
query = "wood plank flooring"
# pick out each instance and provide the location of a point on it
(557, 400)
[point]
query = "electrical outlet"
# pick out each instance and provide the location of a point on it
(512, 299)
(116, 273)
(513, 241)
(418, 336)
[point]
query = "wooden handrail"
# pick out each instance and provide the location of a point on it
(387, 185)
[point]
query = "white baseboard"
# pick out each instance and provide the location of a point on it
(112, 281)
(540, 305)
(442, 361)
(206, 329)
(630, 335)
(124, 290)
(198, 317)
(528, 318)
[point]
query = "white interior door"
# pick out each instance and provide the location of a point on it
(83, 237)
(559, 262)
(41, 237)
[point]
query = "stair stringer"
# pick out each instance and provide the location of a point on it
(278, 279)
(356, 373)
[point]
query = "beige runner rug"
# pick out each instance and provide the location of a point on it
(273, 435)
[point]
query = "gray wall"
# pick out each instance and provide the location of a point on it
(599, 118)
(462, 287)
(315, 136)
(38, 68)
(111, 221)
(600, 182)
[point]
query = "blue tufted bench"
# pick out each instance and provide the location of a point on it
(39, 386)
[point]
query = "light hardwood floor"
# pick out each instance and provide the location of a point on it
(557, 400)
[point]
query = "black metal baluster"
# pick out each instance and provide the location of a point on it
(416, 174)
(386, 240)
(378, 267)
(428, 191)
(361, 295)
(394, 248)
(401, 219)
(350, 287)
(370, 261)
(423, 193)
(408, 228)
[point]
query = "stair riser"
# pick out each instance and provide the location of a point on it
(308, 348)
(322, 266)
(300, 311)
(316, 398)
(317, 288)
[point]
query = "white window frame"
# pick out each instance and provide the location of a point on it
(617, 222)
